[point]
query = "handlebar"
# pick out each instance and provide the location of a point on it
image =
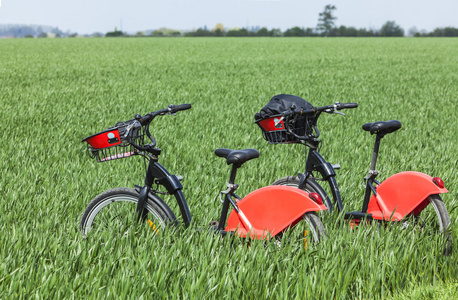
(349, 105)
(327, 108)
(172, 109)
(176, 108)
(146, 120)
(316, 111)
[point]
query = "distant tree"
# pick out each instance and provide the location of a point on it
(218, 26)
(263, 32)
(310, 32)
(163, 31)
(277, 32)
(295, 31)
(114, 33)
(157, 33)
(43, 35)
(218, 30)
(200, 32)
(28, 36)
(326, 20)
(441, 32)
(390, 28)
(450, 32)
(346, 31)
(238, 32)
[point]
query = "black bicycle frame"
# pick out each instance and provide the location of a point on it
(228, 200)
(156, 173)
(370, 180)
(372, 174)
(316, 162)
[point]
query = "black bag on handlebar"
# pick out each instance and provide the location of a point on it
(273, 126)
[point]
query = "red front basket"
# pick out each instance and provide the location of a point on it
(104, 139)
(112, 143)
(274, 131)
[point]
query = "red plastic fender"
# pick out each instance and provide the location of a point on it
(270, 210)
(401, 194)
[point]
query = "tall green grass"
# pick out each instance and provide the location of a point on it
(53, 93)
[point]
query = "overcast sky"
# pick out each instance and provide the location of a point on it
(88, 16)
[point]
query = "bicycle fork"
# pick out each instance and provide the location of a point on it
(156, 173)
(316, 162)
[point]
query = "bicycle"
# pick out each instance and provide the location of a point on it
(400, 198)
(256, 216)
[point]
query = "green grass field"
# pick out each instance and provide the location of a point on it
(53, 93)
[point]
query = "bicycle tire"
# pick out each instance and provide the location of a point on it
(443, 221)
(293, 235)
(293, 181)
(311, 218)
(123, 201)
(316, 226)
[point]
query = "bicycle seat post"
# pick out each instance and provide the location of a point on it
(226, 200)
(372, 174)
(380, 128)
(235, 158)
(233, 173)
(375, 153)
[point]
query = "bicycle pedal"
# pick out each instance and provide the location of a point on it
(214, 224)
(335, 166)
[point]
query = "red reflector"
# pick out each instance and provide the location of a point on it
(317, 198)
(439, 182)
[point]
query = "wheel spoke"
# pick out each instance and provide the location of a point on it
(104, 214)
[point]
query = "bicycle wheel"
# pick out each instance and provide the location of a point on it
(315, 225)
(294, 182)
(313, 231)
(434, 219)
(115, 211)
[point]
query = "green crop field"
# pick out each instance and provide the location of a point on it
(53, 93)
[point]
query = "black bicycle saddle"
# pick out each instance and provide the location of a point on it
(237, 156)
(382, 127)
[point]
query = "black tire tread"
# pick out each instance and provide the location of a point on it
(318, 226)
(314, 219)
(118, 191)
(444, 219)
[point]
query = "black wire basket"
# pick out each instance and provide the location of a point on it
(113, 143)
(275, 132)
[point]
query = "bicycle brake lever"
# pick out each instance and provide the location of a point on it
(332, 111)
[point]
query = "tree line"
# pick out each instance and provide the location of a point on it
(389, 29)
(325, 28)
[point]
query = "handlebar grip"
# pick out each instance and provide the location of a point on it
(145, 119)
(176, 108)
(298, 112)
(350, 105)
(287, 113)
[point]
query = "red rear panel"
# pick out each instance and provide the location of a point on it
(270, 210)
(105, 139)
(272, 124)
(401, 194)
